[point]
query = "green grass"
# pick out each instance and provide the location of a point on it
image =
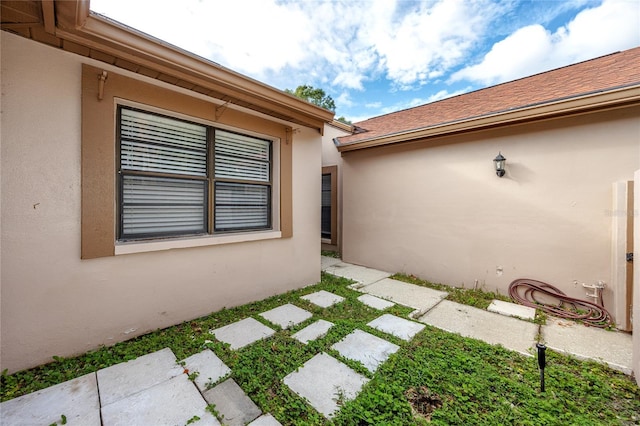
(467, 381)
(476, 297)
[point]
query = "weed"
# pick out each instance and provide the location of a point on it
(460, 380)
(193, 420)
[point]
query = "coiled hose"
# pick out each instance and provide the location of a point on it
(525, 291)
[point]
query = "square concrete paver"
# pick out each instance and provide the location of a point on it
(357, 273)
(326, 261)
(396, 326)
(323, 380)
(209, 367)
(77, 399)
(286, 316)
(614, 348)
(242, 333)
(313, 331)
(375, 302)
(411, 295)
(232, 403)
(265, 420)
(512, 333)
(512, 309)
(371, 351)
(323, 298)
(124, 379)
(172, 402)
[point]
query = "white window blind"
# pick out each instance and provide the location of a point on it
(162, 206)
(153, 143)
(240, 159)
(175, 202)
(167, 177)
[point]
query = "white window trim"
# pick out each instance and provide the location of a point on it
(160, 244)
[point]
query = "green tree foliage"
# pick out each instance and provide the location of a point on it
(314, 95)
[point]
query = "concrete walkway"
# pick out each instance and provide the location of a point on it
(158, 389)
(501, 324)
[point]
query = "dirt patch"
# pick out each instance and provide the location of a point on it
(423, 401)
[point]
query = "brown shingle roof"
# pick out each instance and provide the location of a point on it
(597, 75)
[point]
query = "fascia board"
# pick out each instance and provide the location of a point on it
(612, 99)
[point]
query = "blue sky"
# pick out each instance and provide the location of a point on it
(378, 56)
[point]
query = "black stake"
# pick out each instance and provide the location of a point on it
(542, 362)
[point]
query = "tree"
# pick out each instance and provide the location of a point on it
(344, 120)
(313, 95)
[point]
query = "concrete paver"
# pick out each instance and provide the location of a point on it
(371, 351)
(323, 298)
(326, 262)
(512, 333)
(614, 348)
(77, 399)
(209, 367)
(323, 380)
(411, 295)
(171, 402)
(265, 420)
(232, 403)
(512, 309)
(286, 316)
(242, 333)
(396, 326)
(375, 302)
(360, 274)
(313, 331)
(124, 379)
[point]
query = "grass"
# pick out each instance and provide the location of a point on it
(438, 378)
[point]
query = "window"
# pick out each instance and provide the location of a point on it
(180, 178)
(329, 203)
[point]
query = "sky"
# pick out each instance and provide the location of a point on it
(374, 57)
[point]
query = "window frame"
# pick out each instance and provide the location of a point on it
(210, 181)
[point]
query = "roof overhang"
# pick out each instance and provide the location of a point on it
(583, 104)
(70, 25)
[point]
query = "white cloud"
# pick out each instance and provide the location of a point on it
(342, 43)
(612, 26)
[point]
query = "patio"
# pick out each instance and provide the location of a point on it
(157, 388)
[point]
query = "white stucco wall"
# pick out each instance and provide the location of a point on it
(54, 303)
(438, 210)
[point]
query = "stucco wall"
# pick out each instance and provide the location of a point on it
(54, 303)
(437, 209)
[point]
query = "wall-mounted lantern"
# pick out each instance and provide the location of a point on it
(499, 162)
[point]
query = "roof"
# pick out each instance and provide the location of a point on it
(603, 81)
(71, 26)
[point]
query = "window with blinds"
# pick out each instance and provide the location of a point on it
(170, 169)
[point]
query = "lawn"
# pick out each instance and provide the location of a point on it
(438, 378)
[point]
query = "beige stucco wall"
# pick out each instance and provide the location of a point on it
(54, 303)
(437, 209)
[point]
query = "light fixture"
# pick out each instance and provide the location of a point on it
(499, 163)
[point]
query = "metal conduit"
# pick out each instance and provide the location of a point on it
(525, 291)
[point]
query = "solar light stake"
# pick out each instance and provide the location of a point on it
(542, 361)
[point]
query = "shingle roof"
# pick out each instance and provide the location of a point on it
(597, 75)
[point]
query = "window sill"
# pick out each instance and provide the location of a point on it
(209, 240)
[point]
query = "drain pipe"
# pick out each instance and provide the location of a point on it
(542, 362)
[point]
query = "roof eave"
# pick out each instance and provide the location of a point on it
(611, 99)
(75, 23)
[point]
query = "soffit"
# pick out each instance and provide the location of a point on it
(69, 25)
